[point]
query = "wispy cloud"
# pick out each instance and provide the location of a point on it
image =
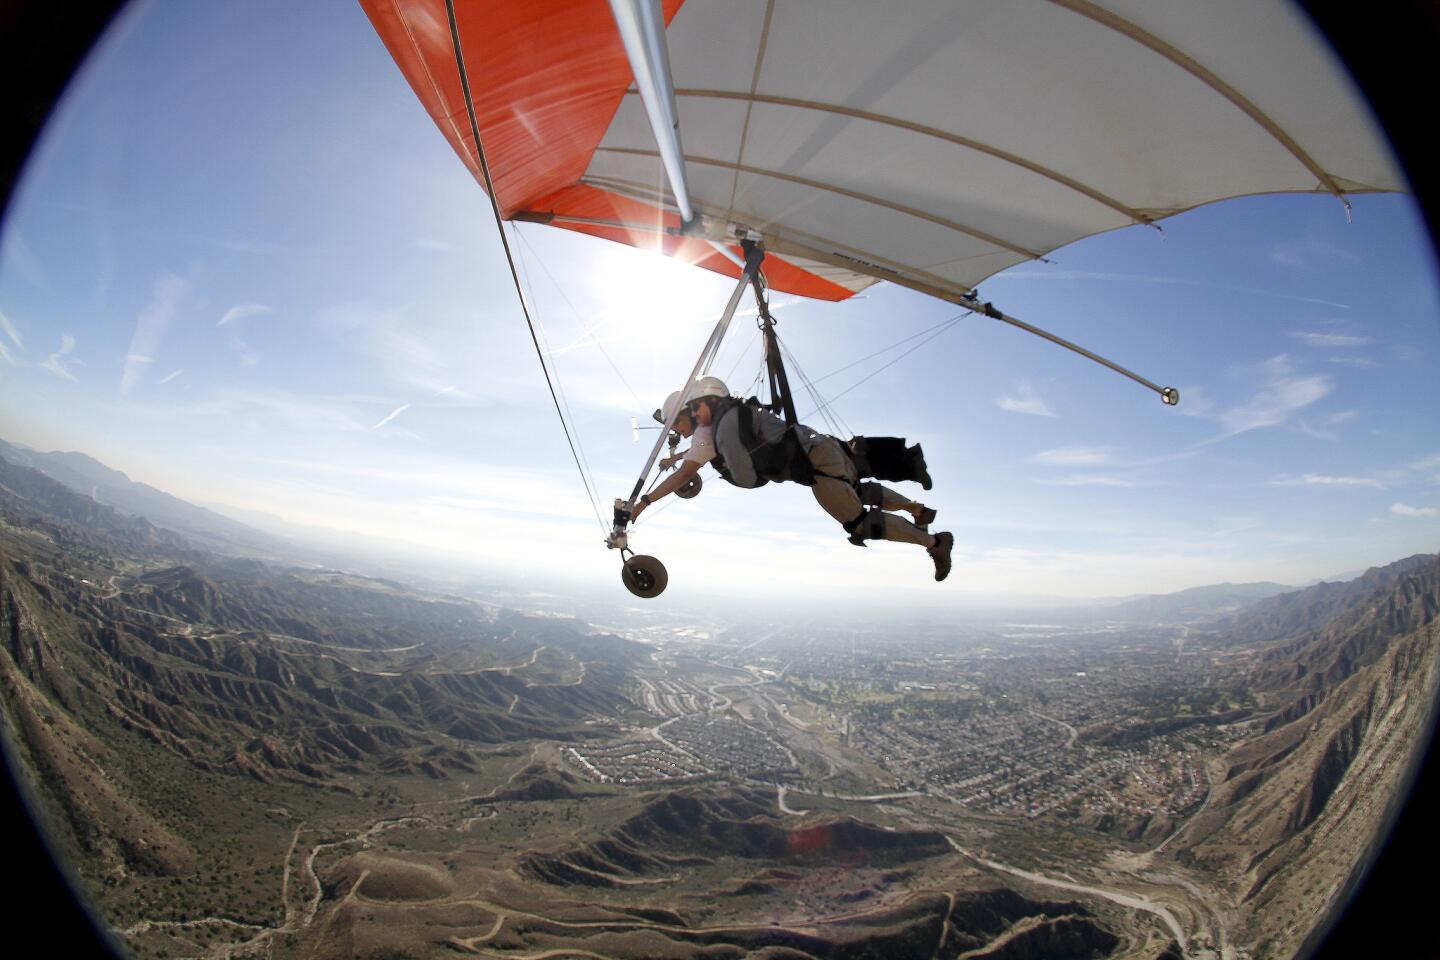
(392, 415)
(1422, 470)
(1321, 429)
(1091, 480)
(150, 328)
(267, 409)
(9, 330)
(1024, 400)
(247, 354)
(18, 257)
(1196, 402)
(168, 377)
(1326, 480)
(59, 362)
(242, 310)
(1425, 465)
(1427, 462)
(1315, 338)
(493, 488)
(1405, 510)
(1284, 392)
(1364, 363)
(428, 357)
(1305, 253)
(1074, 456)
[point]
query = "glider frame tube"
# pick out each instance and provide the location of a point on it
(753, 258)
(1169, 395)
(642, 31)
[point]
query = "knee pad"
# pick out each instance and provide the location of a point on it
(871, 494)
(868, 525)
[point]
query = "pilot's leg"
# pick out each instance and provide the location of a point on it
(874, 494)
(839, 495)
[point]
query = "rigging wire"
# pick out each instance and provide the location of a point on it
(754, 389)
(559, 383)
(741, 358)
(947, 320)
(664, 505)
(833, 420)
(589, 330)
(509, 257)
(953, 321)
(832, 417)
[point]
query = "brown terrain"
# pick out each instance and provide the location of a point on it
(1352, 669)
(243, 759)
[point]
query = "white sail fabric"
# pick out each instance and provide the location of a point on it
(936, 142)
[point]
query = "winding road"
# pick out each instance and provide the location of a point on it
(1133, 901)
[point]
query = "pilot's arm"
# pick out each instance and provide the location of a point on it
(676, 480)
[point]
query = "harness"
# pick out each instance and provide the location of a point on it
(754, 447)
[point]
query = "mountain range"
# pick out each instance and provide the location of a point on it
(89, 477)
(1349, 675)
(1190, 605)
(189, 715)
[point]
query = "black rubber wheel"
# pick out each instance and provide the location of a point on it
(691, 488)
(644, 576)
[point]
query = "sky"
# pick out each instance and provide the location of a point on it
(243, 266)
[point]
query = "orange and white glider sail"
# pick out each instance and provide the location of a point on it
(932, 143)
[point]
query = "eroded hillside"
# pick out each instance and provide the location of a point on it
(245, 759)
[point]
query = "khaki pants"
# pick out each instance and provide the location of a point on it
(837, 489)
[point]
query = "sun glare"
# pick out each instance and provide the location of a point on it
(643, 297)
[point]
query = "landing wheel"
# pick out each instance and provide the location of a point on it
(691, 488)
(644, 576)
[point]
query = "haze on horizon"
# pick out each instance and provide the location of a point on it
(297, 304)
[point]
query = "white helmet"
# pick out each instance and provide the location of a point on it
(702, 387)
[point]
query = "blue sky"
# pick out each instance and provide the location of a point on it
(244, 267)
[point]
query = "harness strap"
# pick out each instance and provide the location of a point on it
(782, 459)
(867, 525)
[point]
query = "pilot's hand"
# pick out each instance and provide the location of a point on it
(667, 462)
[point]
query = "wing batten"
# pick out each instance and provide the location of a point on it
(834, 188)
(1187, 63)
(754, 83)
(549, 75)
(858, 268)
(1010, 127)
(927, 131)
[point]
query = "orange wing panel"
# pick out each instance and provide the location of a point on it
(547, 77)
(593, 203)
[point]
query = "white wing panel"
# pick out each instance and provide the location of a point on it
(943, 140)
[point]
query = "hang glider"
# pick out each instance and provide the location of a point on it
(931, 143)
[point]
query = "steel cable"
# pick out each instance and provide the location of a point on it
(509, 257)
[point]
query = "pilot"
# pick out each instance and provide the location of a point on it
(749, 446)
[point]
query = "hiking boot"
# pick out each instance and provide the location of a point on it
(917, 462)
(924, 517)
(940, 553)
